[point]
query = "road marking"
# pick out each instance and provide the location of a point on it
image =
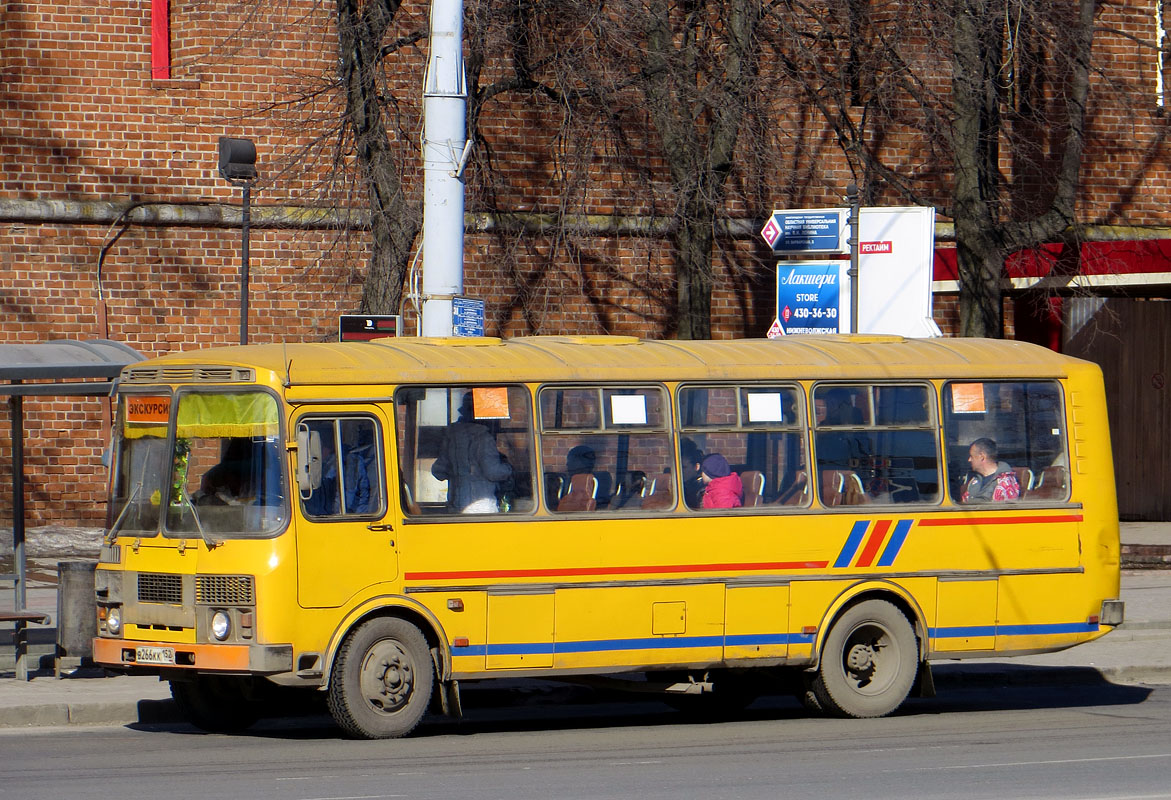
(1036, 763)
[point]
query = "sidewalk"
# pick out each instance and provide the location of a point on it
(1137, 652)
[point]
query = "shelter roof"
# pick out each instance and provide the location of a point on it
(69, 366)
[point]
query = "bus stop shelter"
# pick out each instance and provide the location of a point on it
(64, 368)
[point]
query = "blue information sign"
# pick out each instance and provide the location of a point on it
(808, 296)
(817, 231)
(467, 317)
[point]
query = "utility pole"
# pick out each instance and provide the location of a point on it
(853, 200)
(445, 153)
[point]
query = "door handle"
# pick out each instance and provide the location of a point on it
(379, 526)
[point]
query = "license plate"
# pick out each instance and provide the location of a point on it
(154, 655)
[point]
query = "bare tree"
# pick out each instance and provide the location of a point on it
(362, 27)
(678, 79)
(1001, 140)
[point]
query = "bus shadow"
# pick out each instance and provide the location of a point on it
(1000, 687)
(536, 707)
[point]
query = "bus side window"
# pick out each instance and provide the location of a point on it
(464, 450)
(599, 444)
(756, 428)
(1024, 420)
(351, 475)
(878, 441)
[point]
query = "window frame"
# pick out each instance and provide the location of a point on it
(932, 425)
(377, 480)
(433, 513)
(1061, 455)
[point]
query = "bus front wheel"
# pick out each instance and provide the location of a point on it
(382, 681)
(869, 662)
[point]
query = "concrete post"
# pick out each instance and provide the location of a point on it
(444, 156)
(77, 622)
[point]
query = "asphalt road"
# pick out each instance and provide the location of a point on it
(1069, 742)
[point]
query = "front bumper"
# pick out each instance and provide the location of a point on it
(255, 659)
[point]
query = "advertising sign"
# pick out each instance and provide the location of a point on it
(817, 230)
(896, 253)
(364, 327)
(810, 297)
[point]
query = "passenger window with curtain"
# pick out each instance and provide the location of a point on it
(465, 450)
(758, 432)
(1024, 423)
(875, 444)
(606, 449)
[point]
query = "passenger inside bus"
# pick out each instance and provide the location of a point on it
(690, 456)
(991, 481)
(470, 463)
(722, 488)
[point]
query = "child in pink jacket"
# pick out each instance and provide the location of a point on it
(722, 487)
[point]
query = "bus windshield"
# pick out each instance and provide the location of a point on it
(215, 464)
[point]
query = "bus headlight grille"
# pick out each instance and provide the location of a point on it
(227, 590)
(154, 587)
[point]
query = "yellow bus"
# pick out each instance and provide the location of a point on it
(384, 520)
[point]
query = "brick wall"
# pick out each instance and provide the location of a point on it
(81, 120)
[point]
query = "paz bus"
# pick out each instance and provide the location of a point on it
(288, 515)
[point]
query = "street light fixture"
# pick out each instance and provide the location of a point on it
(238, 167)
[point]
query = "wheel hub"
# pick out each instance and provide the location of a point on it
(860, 659)
(387, 677)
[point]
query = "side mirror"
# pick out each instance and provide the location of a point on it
(308, 459)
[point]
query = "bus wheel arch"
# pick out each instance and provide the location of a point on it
(383, 676)
(869, 656)
(888, 592)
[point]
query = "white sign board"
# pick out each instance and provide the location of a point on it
(896, 254)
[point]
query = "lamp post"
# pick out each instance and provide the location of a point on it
(238, 167)
(853, 200)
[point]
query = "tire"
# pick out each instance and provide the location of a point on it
(215, 703)
(382, 682)
(807, 696)
(869, 662)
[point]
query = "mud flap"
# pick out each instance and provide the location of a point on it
(448, 692)
(924, 683)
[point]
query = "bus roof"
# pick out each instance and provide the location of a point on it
(390, 361)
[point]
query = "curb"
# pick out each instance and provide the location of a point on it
(1145, 556)
(126, 712)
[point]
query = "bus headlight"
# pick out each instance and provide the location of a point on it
(221, 625)
(114, 621)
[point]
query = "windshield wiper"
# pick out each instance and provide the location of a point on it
(112, 535)
(211, 543)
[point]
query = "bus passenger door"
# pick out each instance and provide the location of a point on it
(344, 540)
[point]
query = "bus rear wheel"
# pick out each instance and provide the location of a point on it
(382, 681)
(869, 662)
